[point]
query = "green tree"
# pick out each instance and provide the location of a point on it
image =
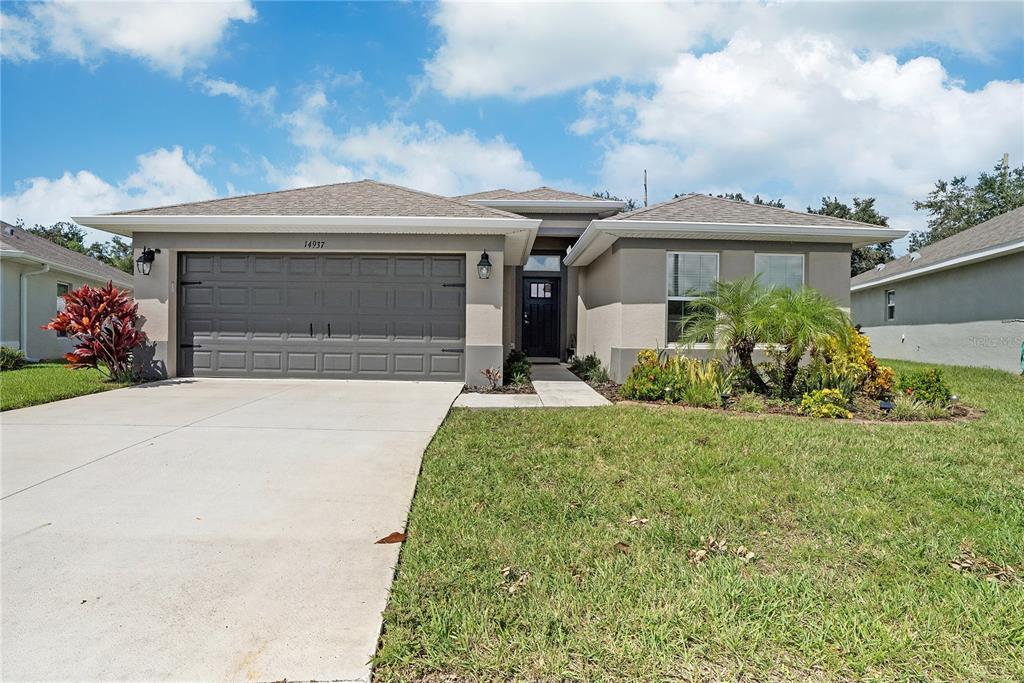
(64, 233)
(738, 196)
(955, 205)
(798, 320)
(631, 204)
(117, 252)
(733, 315)
(863, 210)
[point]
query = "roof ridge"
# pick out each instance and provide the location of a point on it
(237, 196)
(799, 213)
(461, 202)
(667, 202)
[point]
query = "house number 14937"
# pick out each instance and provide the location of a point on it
(315, 244)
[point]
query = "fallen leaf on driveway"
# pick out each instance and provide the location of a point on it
(393, 537)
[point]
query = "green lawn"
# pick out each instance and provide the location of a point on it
(49, 381)
(853, 526)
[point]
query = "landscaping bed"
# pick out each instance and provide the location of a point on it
(524, 388)
(636, 544)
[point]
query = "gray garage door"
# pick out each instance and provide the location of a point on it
(359, 316)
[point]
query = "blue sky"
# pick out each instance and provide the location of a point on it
(108, 107)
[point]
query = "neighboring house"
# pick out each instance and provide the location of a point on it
(375, 281)
(953, 302)
(34, 273)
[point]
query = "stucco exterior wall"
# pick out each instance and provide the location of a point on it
(158, 299)
(42, 307)
(952, 316)
(622, 293)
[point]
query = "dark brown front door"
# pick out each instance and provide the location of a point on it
(540, 316)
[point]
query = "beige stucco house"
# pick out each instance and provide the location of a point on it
(34, 273)
(959, 300)
(375, 281)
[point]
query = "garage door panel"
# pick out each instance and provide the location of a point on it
(328, 315)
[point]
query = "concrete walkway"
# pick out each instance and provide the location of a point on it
(207, 529)
(556, 387)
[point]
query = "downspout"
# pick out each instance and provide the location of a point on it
(23, 283)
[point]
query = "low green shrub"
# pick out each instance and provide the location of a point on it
(927, 386)
(588, 368)
(677, 379)
(11, 358)
(906, 408)
(517, 368)
(825, 403)
(750, 403)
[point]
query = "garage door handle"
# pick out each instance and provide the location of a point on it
(311, 329)
(186, 283)
(453, 351)
(454, 284)
(191, 346)
(328, 329)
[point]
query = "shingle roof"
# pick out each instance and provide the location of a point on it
(1003, 229)
(701, 208)
(46, 251)
(542, 193)
(360, 198)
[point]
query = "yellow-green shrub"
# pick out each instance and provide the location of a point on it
(825, 403)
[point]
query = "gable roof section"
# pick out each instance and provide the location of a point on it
(359, 198)
(542, 193)
(697, 216)
(702, 208)
(1001, 235)
(24, 246)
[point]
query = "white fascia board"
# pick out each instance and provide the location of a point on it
(56, 267)
(600, 235)
(551, 205)
(519, 233)
(966, 259)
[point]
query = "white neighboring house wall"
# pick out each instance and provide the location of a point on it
(28, 300)
(953, 314)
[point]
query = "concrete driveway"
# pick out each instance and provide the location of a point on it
(207, 529)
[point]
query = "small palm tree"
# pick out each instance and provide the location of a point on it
(796, 321)
(733, 316)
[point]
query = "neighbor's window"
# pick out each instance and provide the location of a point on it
(890, 304)
(551, 264)
(780, 270)
(62, 289)
(690, 274)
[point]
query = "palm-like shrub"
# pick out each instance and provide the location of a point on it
(734, 316)
(798, 320)
(102, 321)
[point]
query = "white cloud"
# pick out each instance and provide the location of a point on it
(170, 36)
(18, 38)
(812, 117)
(162, 177)
(427, 157)
(533, 49)
(257, 100)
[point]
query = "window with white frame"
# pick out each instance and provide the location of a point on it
(62, 289)
(890, 304)
(780, 270)
(690, 275)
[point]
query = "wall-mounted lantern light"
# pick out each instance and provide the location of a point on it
(483, 267)
(144, 263)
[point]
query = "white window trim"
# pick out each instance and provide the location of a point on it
(718, 274)
(885, 302)
(803, 263)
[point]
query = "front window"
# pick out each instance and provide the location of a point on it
(690, 275)
(780, 270)
(890, 304)
(545, 263)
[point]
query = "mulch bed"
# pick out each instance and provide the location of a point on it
(504, 389)
(865, 410)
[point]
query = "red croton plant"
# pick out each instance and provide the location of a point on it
(102, 321)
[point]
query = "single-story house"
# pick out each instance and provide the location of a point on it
(369, 280)
(34, 273)
(959, 300)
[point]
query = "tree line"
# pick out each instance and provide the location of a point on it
(117, 252)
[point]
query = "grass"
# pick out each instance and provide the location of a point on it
(49, 381)
(853, 527)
